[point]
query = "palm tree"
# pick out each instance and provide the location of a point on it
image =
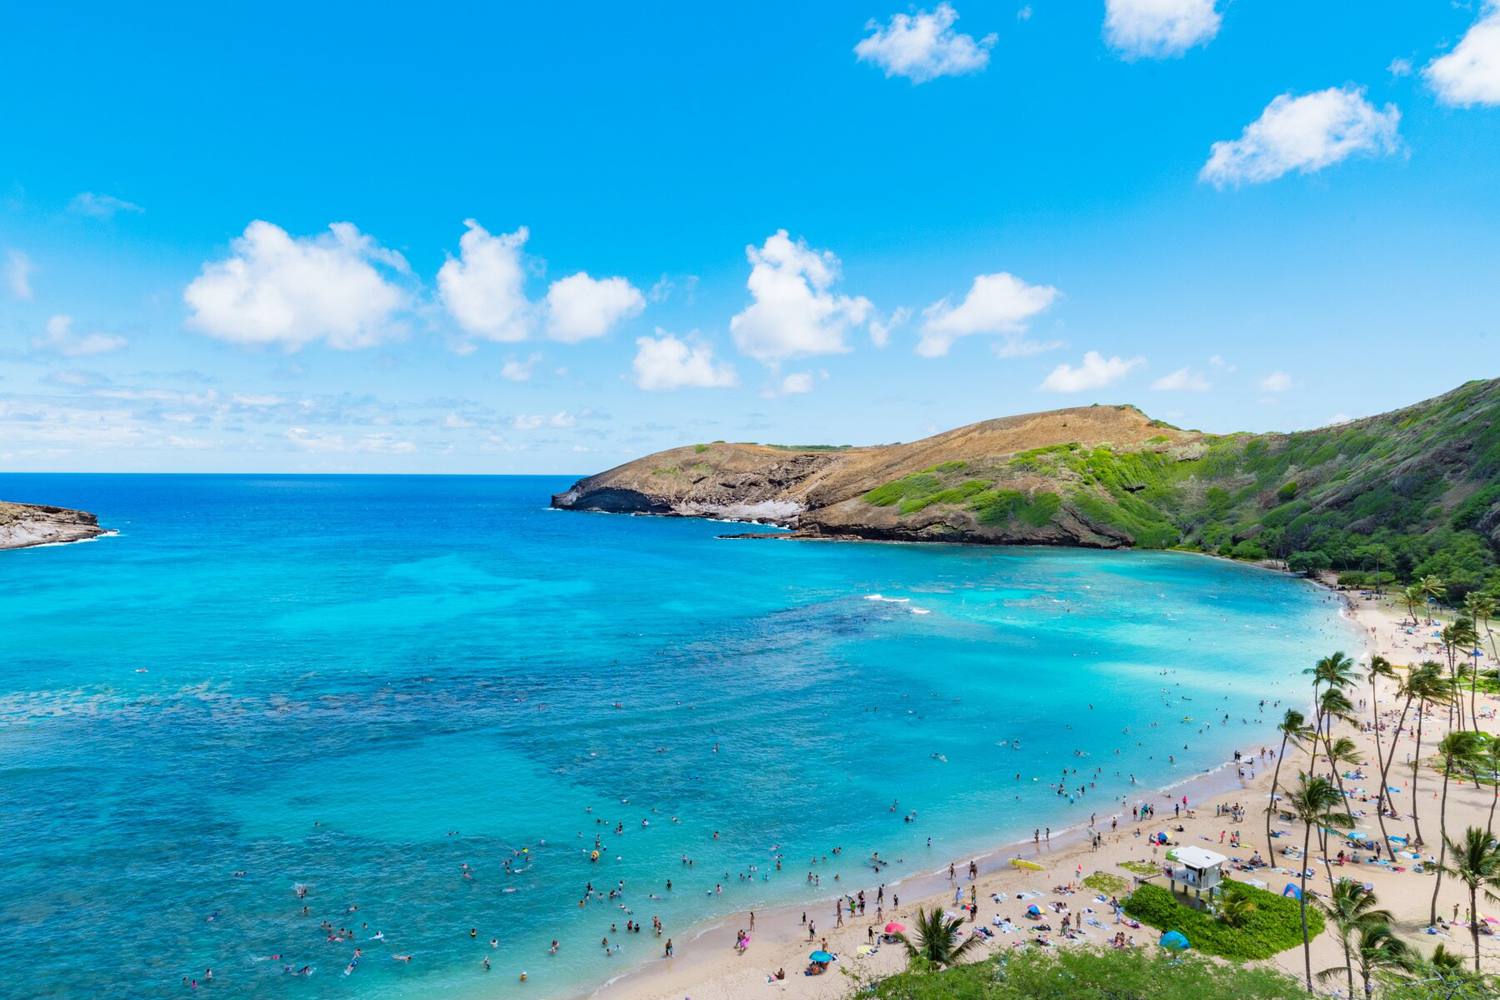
(1413, 596)
(1458, 636)
(1488, 761)
(1315, 802)
(939, 940)
(1431, 687)
(1476, 863)
(1409, 689)
(1349, 908)
(1432, 587)
(1457, 748)
(1481, 608)
(1235, 908)
(1375, 948)
(1380, 668)
(1294, 730)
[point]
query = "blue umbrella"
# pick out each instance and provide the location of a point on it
(1175, 940)
(820, 956)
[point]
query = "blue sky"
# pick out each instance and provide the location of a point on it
(562, 237)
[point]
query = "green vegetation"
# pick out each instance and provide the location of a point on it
(1273, 926)
(1110, 885)
(1396, 497)
(1091, 974)
(1140, 867)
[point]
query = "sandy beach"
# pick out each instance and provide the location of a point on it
(706, 965)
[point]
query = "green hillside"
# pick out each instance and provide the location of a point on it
(1396, 496)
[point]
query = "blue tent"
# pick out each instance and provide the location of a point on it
(1175, 940)
(1292, 890)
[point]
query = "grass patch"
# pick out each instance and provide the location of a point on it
(1140, 867)
(1110, 885)
(1272, 927)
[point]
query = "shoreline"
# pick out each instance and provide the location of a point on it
(720, 972)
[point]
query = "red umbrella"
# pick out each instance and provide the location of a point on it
(894, 928)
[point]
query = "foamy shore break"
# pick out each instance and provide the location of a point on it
(706, 965)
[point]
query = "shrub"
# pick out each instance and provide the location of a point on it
(1273, 926)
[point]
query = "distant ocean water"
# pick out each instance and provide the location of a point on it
(359, 684)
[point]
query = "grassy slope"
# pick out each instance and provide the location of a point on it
(1411, 492)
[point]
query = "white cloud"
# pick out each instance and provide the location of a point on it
(996, 304)
(1305, 134)
(1096, 372)
(379, 443)
(61, 339)
(257, 400)
(519, 371)
(666, 286)
(1470, 74)
(1399, 67)
(1024, 14)
(797, 383)
(1217, 361)
(794, 314)
(1157, 28)
(881, 327)
(101, 206)
(580, 307)
(18, 271)
(1182, 380)
(665, 362)
(923, 46)
(280, 289)
(532, 421)
(457, 422)
(1276, 382)
(484, 287)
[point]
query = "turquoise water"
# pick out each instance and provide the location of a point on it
(359, 684)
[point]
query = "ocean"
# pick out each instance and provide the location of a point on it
(360, 685)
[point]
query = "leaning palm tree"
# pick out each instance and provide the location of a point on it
(1487, 762)
(1380, 669)
(1455, 637)
(1431, 688)
(1408, 690)
(1413, 596)
(1375, 949)
(1459, 750)
(939, 940)
(1432, 587)
(1316, 803)
(1476, 863)
(1294, 730)
(1351, 907)
(1481, 608)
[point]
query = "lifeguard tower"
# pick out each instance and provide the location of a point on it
(1196, 872)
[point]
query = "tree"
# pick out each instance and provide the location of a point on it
(1377, 949)
(1431, 687)
(1235, 908)
(1481, 608)
(1432, 587)
(1380, 669)
(1316, 803)
(1476, 863)
(1294, 730)
(1413, 596)
(1351, 907)
(1458, 748)
(1488, 761)
(939, 940)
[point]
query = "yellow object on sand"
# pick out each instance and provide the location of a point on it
(1023, 863)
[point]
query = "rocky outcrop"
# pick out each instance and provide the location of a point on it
(24, 524)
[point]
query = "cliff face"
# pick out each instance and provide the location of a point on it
(1414, 489)
(23, 524)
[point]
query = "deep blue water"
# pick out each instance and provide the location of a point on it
(359, 684)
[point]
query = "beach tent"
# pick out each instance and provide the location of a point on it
(821, 957)
(1175, 940)
(1292, 890)
(1033, 910)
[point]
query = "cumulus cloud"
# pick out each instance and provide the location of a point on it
(275, 288)
(1276, 382)
(580, 307)
(101, 206)
(1182, 380)
(18, 271)
(923, 46)
(1096, 372)
(483, 287)
(378, 443)
(515, 370)
(881, 327)
(1399, 67)
(532, 421)
(794, 314)
(1158, 28)
(1470, 74)
(60, 339)
(1305, 134)
(667, 362)
(797, 383)
(996, 304)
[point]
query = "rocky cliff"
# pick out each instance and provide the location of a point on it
(24, 524)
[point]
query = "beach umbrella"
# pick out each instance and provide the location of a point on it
(1175, 940)
(894, 928)
(821, 957)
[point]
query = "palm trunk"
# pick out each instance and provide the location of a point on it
(1306, 941)
(1275, 777)
(1385, 774)
(1489, 824)
(1349, 967)
(1379, 757)
(1442, 837)
(1416, 769)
